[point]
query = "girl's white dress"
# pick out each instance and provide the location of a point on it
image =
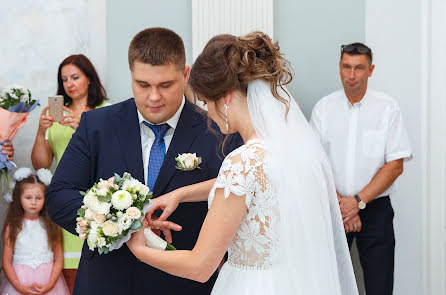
(33, 259)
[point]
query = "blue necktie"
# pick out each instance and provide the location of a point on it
(157, 153)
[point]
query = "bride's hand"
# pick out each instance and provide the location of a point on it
(167, 203)
(137, 240)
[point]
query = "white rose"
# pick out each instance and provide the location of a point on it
(92, 235)
(144, 190)
(104, 184)
(90, 196)
(121, 200)
(187, 160)
(89, 214)
(126, 185)
(110, 228)
(100, 207)
(102, 192)
(119, 214)
(99, 218)
(131, 184)
(124, 222)
(182, 157)
(133, 213)
(101, 242)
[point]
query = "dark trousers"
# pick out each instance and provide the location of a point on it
(376, 246)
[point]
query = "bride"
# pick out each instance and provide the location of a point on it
(273, 206)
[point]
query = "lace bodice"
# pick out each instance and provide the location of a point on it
(31, 246)
(244, 174)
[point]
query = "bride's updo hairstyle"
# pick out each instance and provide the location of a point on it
(229, 63)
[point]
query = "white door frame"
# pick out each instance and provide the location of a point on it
(433, 113)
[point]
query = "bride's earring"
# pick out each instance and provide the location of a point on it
(226, 117)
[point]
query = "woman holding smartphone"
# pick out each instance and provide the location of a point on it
(81, 88)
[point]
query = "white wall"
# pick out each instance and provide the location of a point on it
(393, 31)
(35, 36)
(125, 20)
(310, 34)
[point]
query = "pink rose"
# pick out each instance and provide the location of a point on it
(82, 236)
(83, 222)
(103, 185)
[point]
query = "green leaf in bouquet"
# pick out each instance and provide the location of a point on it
(103, 250)
(82, 193)
(81, 212)
(117, 178)
(170, 247)
(136, 225)
(104, 199)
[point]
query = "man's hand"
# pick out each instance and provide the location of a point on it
(353, 225)
(168, 203)
(349, 208)
(163, 225)
(8, 150)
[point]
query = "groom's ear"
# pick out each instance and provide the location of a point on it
(186, 75)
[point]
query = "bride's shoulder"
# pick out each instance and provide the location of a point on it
(252, 151)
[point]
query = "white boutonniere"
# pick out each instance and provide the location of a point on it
(188, 162)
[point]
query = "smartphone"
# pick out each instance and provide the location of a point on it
(56, 104)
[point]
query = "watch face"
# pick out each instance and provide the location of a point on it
(361, 205)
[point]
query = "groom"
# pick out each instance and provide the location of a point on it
(142, 136)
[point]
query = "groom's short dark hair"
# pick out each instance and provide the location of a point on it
(157, 46)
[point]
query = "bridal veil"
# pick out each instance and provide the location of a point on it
(309, 252)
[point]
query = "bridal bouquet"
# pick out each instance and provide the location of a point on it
(113, 209)
(15, 105)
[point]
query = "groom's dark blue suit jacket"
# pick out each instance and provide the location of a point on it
(108, 141)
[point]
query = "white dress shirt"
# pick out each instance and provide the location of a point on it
(361, 138)
(148, 137)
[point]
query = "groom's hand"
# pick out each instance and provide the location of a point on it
(163, 225)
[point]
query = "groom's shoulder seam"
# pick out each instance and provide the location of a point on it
(110, 109)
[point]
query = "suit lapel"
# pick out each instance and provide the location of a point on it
(185, 133)
(129, 138)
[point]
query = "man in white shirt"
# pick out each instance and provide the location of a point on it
(363, 134)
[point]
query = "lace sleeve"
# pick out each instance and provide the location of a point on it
(238, 173)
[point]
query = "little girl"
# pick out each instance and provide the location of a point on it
(32, 243)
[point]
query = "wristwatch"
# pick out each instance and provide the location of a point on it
(361, 204)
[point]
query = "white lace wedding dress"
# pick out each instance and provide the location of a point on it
(247, 270)
(291, 240)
